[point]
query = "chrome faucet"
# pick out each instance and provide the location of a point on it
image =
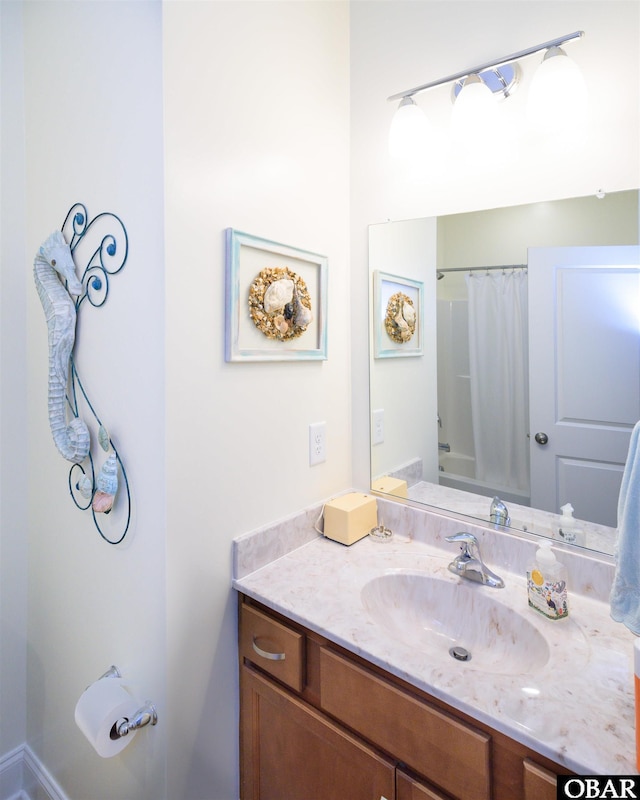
(499, 513)
(469, 564)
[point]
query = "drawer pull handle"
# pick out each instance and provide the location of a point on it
(265, 653)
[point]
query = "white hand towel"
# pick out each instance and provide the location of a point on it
(625, 592)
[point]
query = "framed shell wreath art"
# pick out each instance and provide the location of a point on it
(397, 316)
(279, 304)
(276, 301)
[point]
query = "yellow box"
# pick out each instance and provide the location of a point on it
(350, 517)
(390, 485)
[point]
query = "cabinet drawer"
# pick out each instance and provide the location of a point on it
(273, 647)
(454, 755)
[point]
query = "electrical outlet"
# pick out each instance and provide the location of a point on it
(317, 443)
(377, 425)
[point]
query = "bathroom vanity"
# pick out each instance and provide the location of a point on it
(322, 723)
(348, 688)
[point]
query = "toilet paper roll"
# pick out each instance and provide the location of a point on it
(100, 706)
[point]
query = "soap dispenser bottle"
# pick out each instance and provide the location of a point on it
(568, 529)
(547, 583)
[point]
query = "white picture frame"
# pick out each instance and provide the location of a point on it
(385, 287)
(246, 257)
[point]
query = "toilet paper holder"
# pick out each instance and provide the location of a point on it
(145, 715)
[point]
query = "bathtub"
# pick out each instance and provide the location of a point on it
(459, 473)
(457, 464)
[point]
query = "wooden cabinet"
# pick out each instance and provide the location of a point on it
(452, 754)
(293, 752)
(318, 723)
(408, 788)
(539, 783)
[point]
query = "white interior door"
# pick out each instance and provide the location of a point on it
(584, 375)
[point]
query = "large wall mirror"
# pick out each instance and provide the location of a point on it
(520, 378)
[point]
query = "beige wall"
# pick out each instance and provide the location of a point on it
(503, 235)
(402, 387)
(254, 136)
(256, 120)
(93, 132)
(13, 378)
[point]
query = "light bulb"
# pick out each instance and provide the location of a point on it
(409, 132)
(557, 99)
(474, 117)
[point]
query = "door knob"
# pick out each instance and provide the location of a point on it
(541, 438)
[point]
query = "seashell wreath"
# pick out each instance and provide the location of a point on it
(279, 303)
(400, 319)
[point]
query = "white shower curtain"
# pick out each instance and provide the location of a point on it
(498, 352)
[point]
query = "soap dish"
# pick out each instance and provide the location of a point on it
(381, 534)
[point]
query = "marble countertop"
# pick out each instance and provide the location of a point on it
(576, 707)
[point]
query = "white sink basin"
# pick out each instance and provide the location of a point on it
(433, 615)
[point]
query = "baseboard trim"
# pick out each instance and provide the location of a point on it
(23, 776)
(11, 774)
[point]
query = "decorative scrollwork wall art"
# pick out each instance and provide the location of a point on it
(97, 249)
(276, 301)
(398, 306)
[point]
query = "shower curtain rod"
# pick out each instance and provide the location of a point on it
(486, 269)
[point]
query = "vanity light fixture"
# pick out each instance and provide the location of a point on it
(474, 118)
(475, 90)
(409, 129)
(558, 93)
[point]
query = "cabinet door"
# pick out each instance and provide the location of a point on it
(408, 788)
(289, 751)
(539, 783)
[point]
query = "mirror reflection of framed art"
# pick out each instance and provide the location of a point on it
(397, 316)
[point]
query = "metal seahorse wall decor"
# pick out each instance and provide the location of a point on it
(103, 243)
(52, 262)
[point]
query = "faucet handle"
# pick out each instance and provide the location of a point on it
(470, 565)
(464, 537)
(467, 541)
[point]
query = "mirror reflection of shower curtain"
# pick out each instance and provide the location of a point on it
(498, 352)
